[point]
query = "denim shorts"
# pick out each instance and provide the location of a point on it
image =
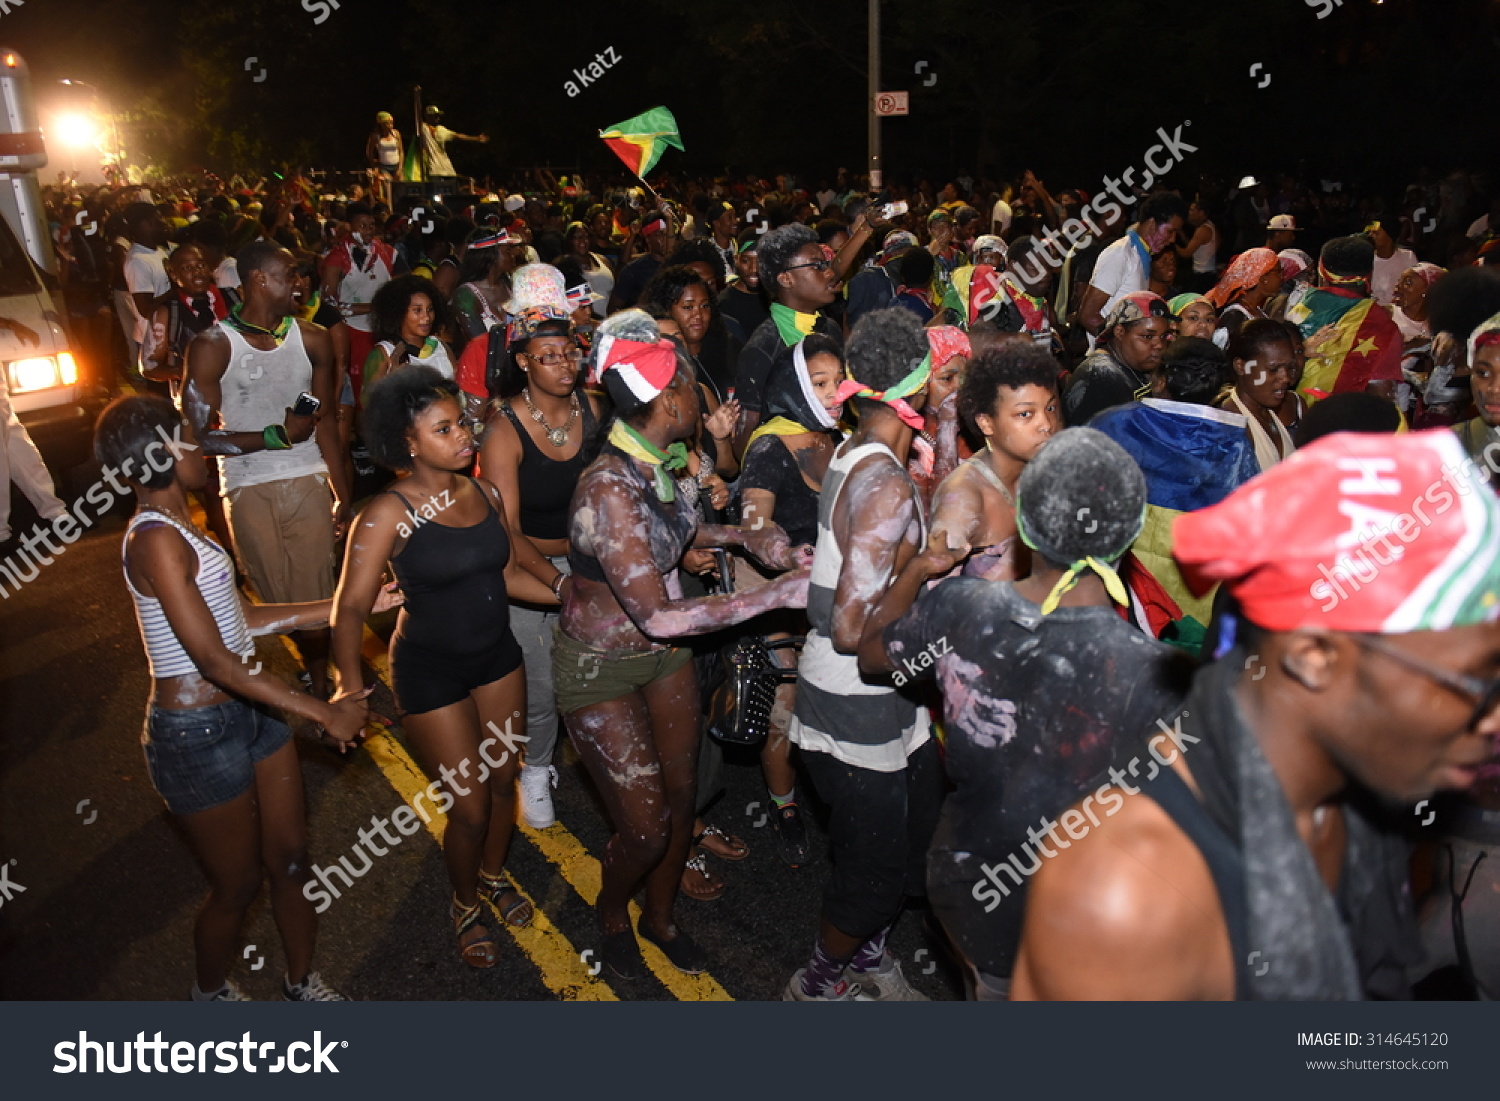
(206, 756)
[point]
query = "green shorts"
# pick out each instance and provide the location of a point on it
(584, 676)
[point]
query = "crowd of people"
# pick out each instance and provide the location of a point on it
(958, 522)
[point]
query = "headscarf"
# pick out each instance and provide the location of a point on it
(1428, 273)
(1183, 301)
(1313, 542)
(1483, 336)
(1294, 262)
(1136, 306)
(989, 241)
(790, 399)
(645, 369)
(1243, 272)
(895, 244)
(947, 341)
(895, 395)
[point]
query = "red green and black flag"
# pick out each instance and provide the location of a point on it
(640, 141)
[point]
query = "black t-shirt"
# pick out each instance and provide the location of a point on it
(1101, 382)
(770, 465)
(759, 354)
(1033, 706)
(634, 277)
(746, 307)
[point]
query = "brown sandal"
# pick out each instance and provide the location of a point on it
(514, 908)
(723, 845)
(480, 953)
(698, 882)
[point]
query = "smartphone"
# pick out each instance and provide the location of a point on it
(306, 405)
(892, 210)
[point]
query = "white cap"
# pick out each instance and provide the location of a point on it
(1282, 221)
(1249, 181)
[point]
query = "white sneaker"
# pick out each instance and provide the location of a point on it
(310, 989)
(226, 993)
(841, 991)
(537, 783)
(886, 983)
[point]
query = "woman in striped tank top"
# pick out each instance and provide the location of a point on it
(216, 750)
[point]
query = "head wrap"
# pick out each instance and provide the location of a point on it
(654, 223)
(1081, 467)
(1483, 336)
(1294, 262)
(1355, 532)
(895, 244)
(1428, 273)
(492, 238)
(1183, 301)
(384, 116)
(632, 324)
(645, 369)
(1243, 272)
(895, 396)
(989, 241)
(1136, 306)
(947, 341)
(789, 392)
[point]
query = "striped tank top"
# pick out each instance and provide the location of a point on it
(164, 653)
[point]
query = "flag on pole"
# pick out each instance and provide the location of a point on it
(640, 141)
(411, 166)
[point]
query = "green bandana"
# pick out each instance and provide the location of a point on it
(791, 324)
(635, 445)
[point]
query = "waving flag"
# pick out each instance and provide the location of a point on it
(640, 141)
(1193, 456)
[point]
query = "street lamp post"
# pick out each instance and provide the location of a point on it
(873, 76)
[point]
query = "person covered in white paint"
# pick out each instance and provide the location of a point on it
(1019, 752)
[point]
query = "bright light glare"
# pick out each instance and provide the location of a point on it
(37, 373)
(77, 131)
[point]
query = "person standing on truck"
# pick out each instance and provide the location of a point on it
(20, 461)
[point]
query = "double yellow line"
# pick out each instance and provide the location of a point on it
(562, 968)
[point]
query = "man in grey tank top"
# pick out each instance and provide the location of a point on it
(282, 475)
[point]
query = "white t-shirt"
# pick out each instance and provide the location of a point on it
(434, 142)
(1388, 273)
(145, 273)
(228, 273)
(1118, 273)
(1002, 214)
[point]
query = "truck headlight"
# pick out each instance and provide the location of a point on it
(36, 373)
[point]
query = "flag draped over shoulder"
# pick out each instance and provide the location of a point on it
(1366, 344)
(1192, 456)
(640, 141)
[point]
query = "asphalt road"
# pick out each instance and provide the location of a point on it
(110, 887)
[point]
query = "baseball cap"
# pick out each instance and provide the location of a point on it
(1248, 181)
(1283, 221)
(432, 109)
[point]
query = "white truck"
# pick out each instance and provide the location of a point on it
(52, 394)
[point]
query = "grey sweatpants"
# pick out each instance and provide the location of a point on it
(533, 627)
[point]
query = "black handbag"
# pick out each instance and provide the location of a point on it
(739, 706)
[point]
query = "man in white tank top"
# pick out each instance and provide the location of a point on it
(282, 475)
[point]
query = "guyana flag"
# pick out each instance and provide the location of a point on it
(1193, 456)
(1366, 344)
(641, 141)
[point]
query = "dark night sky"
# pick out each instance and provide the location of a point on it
(1072, 89)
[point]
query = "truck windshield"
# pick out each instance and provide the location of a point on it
(17, 276)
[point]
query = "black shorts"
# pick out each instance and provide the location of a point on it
(425, 680)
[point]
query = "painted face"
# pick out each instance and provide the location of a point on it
(692, 312)
(1266, 379)
(1197, 319)
(945, 380)
(1484, 381)
(1140, 344)
(825, 372)
(416, 325)
(440, 438)
(551, 364)
(278, 280)
(1021, 421)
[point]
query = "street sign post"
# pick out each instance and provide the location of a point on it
(892, 103)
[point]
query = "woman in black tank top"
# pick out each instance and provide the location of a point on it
(456, 667)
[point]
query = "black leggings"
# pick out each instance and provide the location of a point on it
(879, 829)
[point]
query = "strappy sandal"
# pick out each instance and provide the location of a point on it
(514, 908)
(480, 953)
(724, 846)
(698, 882)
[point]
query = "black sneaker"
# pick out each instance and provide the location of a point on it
(681, 951)
(622, 955)
(792, 832)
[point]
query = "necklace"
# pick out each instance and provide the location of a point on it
(183, 520)
(557, 437)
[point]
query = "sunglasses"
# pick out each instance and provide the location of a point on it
(816, 265)
(554, 359)
(1485, 693)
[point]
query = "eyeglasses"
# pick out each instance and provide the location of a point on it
(816, 265)
(1486, 693)
(555, 359)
